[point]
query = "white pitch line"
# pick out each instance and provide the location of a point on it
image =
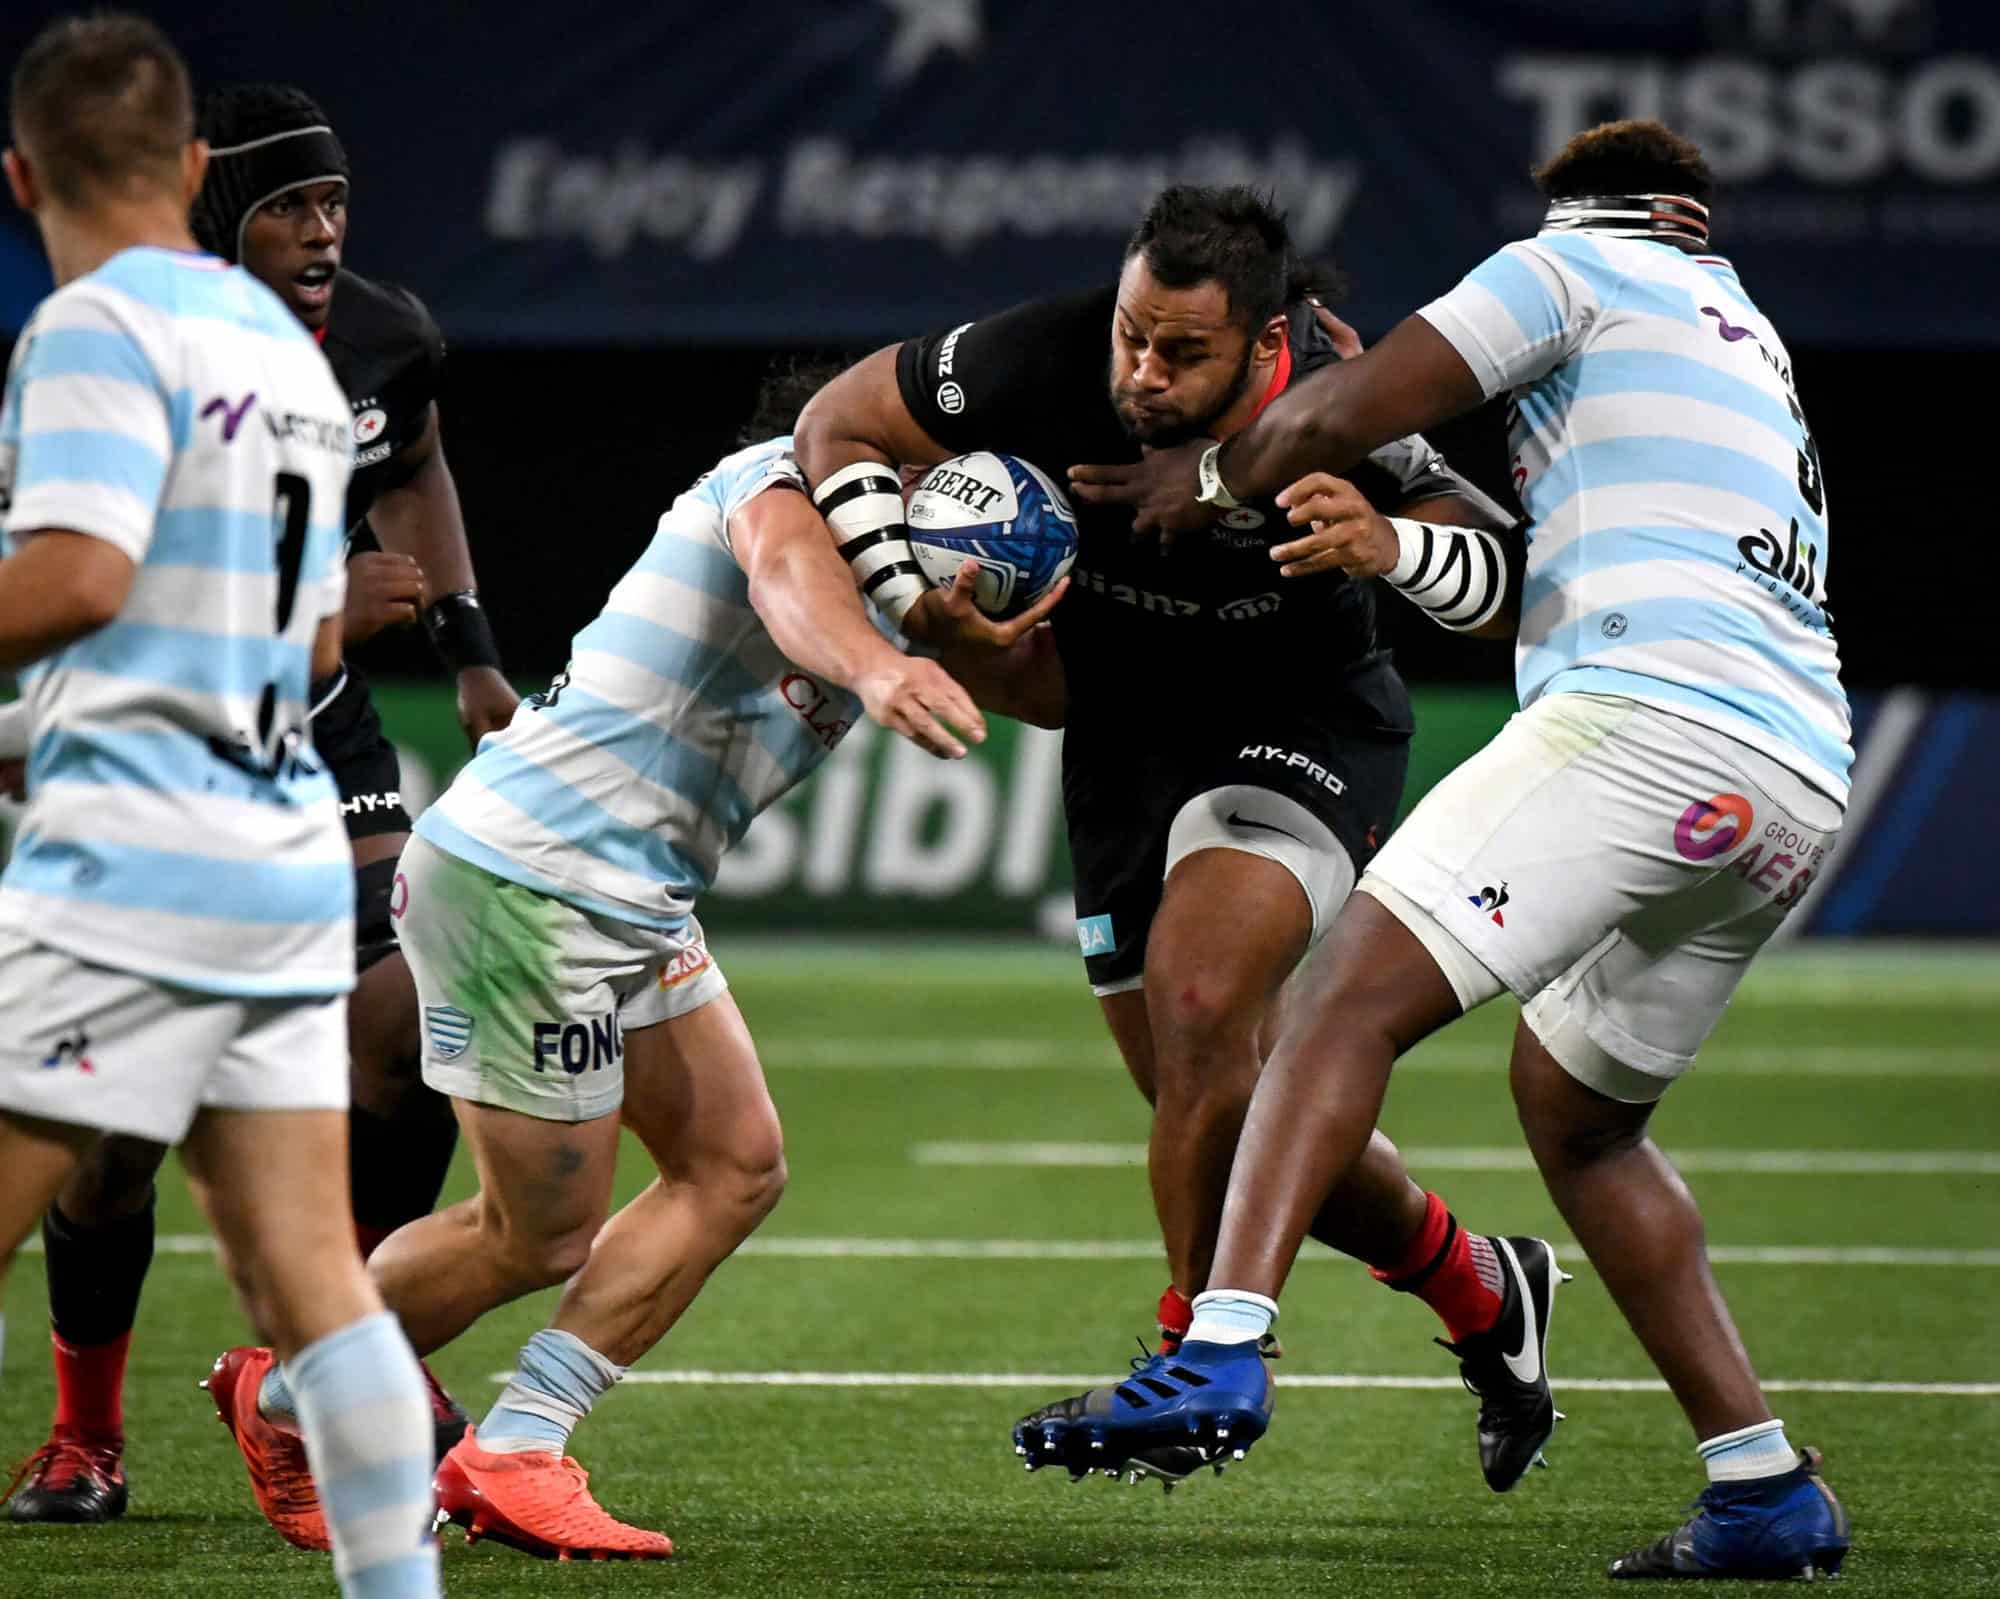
(1087, 1249)
(1146, 1249)
(780, 1051)
(1463, 1158)
(1287, 1381)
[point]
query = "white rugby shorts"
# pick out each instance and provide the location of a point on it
(525, 999)
(1613, 866)
(96, 1047)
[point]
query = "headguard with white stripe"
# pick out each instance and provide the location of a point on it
(264, 138)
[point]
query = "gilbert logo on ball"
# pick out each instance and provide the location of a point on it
(1001, 512)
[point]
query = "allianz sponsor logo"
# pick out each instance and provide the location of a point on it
(823, 187)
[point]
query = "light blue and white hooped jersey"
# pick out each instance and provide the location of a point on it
(676, 721)
(1677, 541)
(178, 823)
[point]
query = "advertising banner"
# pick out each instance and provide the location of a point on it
(850, 172)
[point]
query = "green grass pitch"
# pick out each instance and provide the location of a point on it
(883, 1059)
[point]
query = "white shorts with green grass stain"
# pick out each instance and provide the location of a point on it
(527, 999)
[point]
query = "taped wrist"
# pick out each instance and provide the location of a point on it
(863, 504)
(1458, 575)
(460, 631)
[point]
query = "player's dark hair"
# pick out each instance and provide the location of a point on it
(1233, 235)
(1637, 156)
(787, 386)
(102, 103)
(229, 119)
(1316, 278)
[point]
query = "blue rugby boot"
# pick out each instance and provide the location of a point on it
(1771, 1529)
(1203, 1405)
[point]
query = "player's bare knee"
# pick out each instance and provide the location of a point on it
(532, 1249)
(1568, 1127)
(544, 1258)
(749, 1174)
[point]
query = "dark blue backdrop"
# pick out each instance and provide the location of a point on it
(846, 170)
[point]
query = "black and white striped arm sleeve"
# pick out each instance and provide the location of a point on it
(863, 504)
(1458, 575)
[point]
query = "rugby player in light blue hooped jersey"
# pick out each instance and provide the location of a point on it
(546, 907)
(1627, 843)
(176, 920)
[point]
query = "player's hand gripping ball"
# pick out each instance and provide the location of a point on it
(1001, 512)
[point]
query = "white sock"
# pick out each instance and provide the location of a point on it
(1230, 1316)
(1748, 1453)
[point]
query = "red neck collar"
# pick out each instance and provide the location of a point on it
(1281, 375)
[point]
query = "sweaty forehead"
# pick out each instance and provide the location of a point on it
(1199, 312)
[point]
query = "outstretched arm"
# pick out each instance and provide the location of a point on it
(1331, 418)
(806, 597)
(1325, 422)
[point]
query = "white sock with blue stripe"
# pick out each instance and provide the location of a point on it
(366, 1416)
(1230, 1316)
(556, 1381)
(1748, 1453)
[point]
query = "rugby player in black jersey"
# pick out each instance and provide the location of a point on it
(1237, 738)
(275, 199)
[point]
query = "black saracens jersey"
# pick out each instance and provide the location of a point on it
(389, 357)
(1206, 628)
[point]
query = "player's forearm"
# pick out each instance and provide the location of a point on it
(1475, 510)
(1330, 419)
(423, 519)
(807, 600)
(1024, 682)
(1306, 429)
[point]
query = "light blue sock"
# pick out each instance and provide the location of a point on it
(366, 1416)
(1748, 1453)
(556, 1381)
(1229, 1316)
(274, 1398)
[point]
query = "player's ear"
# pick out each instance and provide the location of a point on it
(1272, 336)
(20, 179)
(194, 167)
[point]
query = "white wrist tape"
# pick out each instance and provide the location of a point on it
(1456, 574)
(863, 504)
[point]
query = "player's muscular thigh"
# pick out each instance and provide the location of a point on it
(1230, 927)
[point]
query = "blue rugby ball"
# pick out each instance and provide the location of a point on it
(1003, 513)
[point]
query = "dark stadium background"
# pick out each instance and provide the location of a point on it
(551, 185)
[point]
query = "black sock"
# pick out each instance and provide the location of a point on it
(95, 1273)
(397, 1167)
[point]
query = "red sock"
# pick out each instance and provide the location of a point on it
(1453, 1271)
(90, 1386)
(1176, 1314)
(370, 1238)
